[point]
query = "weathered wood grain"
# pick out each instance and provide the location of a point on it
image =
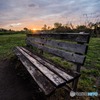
(61, 73)
(57, 80)
(49, 75)
(39, 78)
(64, 54)
(62, 68)
(78, 48)
(84, 38)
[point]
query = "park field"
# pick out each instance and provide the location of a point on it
(7, 42)
(88, 81)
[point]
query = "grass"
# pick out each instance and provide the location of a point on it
(94, 72)
(93, 55)
(58, 60)
(7, 42)
(92, 63)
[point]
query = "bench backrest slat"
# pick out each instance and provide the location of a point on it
(58, 45)
(76, 37)
(64, 54)
(78, 48)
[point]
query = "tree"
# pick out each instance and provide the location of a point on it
(44, 27)
(26, 29)
(9, 29)
(81, 27)
(57, 25)
(48, 27)
(95, 27)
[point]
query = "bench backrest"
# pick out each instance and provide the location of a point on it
(59, 45)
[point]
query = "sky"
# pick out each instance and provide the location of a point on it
(17, 14)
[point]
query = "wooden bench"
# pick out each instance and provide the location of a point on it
(46, 73)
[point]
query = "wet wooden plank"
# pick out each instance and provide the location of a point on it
(78, 48)
(57, 80)
(39, 78)
(76, 37)
(61, 73)
(63, 68)
(64, 54)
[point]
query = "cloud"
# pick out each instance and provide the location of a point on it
(47, 12)
(15, 24)
(10, 26)
(33, 5)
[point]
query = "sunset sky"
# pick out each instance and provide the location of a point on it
(33, 14)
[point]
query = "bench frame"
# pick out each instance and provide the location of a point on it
(42, 40)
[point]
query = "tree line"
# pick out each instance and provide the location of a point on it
(92, 28)
(9, 31)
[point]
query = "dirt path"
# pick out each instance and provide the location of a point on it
(13, 87)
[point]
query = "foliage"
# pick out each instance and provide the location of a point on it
(26, 29)
(92, 28)
(9, 32)
(44, 27)
(81, 27)
(95, 27)
(57, 25)
(61, 28)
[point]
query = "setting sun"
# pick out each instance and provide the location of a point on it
(34, 29)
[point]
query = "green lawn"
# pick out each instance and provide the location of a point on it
(92, 64)
(7, 42)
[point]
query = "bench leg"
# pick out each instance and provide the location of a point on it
(74, 84)
(67, 90)
(67, 95)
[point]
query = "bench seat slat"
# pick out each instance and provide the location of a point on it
(64, 75)
(49, 74)
(66, 55)
(78, 48)
(40, 79)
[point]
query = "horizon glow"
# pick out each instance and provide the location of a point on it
(18, 14)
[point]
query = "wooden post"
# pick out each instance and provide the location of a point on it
(77, 68)
(75, 82)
